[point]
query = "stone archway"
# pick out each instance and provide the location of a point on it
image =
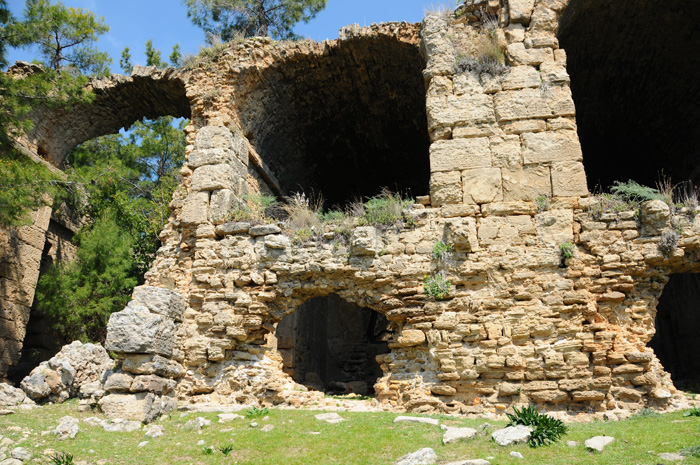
(633, 69)
(331, 345)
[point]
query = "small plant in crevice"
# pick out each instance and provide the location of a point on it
(668, 242)
(437, 286)
(545, 429)
(566, 251)
(256, 412)
(226, 450)
(442, 252)
(257, 207)
(542, 202)
(383, 211)
(490, 56)
(303, 216)
(62, 458)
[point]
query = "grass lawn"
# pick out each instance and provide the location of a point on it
(364, 438)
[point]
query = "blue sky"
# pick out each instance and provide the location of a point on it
(133, 22)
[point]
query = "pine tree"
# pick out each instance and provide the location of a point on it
(228, 18)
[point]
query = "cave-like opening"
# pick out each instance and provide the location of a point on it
(677, 339)
(344, 123)
(635, 80)
(331, 345)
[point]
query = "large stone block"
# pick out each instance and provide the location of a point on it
(460, 233)
(366, 241)
(526, 183)
(446, 188)
(460, 154)
(143, 406)
(521, 104)
(465, 109)
(519, 77)
(569, 179)
(520, 55)
(136, 330)
(213, 177)
(196, 208)
(555, 226)
(221, 205)
(213, 137)
(520, 10)
(161, 301)
(547, 147)
(482, 185)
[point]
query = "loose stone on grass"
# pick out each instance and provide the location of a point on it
(425, 456)
(331, 418)
(455, 434)
(196, 424)
(226, 417)
(598, 442)
(429, 421)
(512, 435)
(470, 462)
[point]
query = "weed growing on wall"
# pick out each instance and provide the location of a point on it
(437, 286)
(542, 202)
(442, 251)
(383, 211)
(566, 251)
(668, 242)
(490, 57)
(256, 208)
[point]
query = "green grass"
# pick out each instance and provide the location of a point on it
(365, 438)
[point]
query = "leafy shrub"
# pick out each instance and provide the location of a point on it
(226, 450)
(62, 458)
(693, 412)
(692, 451)
(668, 242)
(634, 193)
(646, 413)
(207, 450)
(545, 429)
(566, 250)
(437, 286)
(441, 251)
(542, 202)
(256, 412)
(384, 210)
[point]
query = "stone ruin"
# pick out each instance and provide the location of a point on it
(240, 312)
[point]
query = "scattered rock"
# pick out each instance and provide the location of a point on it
(470, 462)
(11, 462)
(11, 396)
(330, 417)
(512, 435)
(429, 421)
(268, 428)
(671, 456)
(572, 443)
(598, 442)
(120, 426)
(154, 431)
(226, 417)
(196, 424)
(67, 428)
(455, 434)
(425, 456)
(20, 453)
(516, 455)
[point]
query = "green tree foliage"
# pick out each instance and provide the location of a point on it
(153, 56)
(25, 185)
(176, 56)
(125, 61)
(228, 18)
(79, 296)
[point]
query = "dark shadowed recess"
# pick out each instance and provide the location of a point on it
(635, 78)
(331, 345)
(677, 339)
(345, 123)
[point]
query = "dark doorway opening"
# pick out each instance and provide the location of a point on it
(331, 345)
(634, 79)
(677, 339)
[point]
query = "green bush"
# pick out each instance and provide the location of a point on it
(257, 207)
(545, 429)
(226, 450)
(256, 412)
(692, 451)
(441, 251)
(437, 286)
(634, 192)
(384, 210)
(693, 412)
(566, 249)
(62, 458)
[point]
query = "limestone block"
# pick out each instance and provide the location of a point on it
(544, 19)
(518, 54)
(138, 331)
(547, 147)
(465, 109)
(522, 76)
(366, 241)
(409, 338)
(148, 364)
(560, 100)
(152, 383)
(264, 230)
(160, 301)
(213, 156)
(655, 216)
(505, 151)
(143, 406)
(521, 104)
(213, 137)
(482, 185)
(277, 241)
(460, 154)
(554, 73)
(569, 179)
(223, 201)
(461, 234)
(555, 226)
(510, 230)
(213, 177)
(525, 125)
(118, 382)
(196, 208)
(227, 229)
(512, 435)
(446, 188)
(520, 10)
(526, 183)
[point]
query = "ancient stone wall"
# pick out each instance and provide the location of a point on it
(505, 176)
